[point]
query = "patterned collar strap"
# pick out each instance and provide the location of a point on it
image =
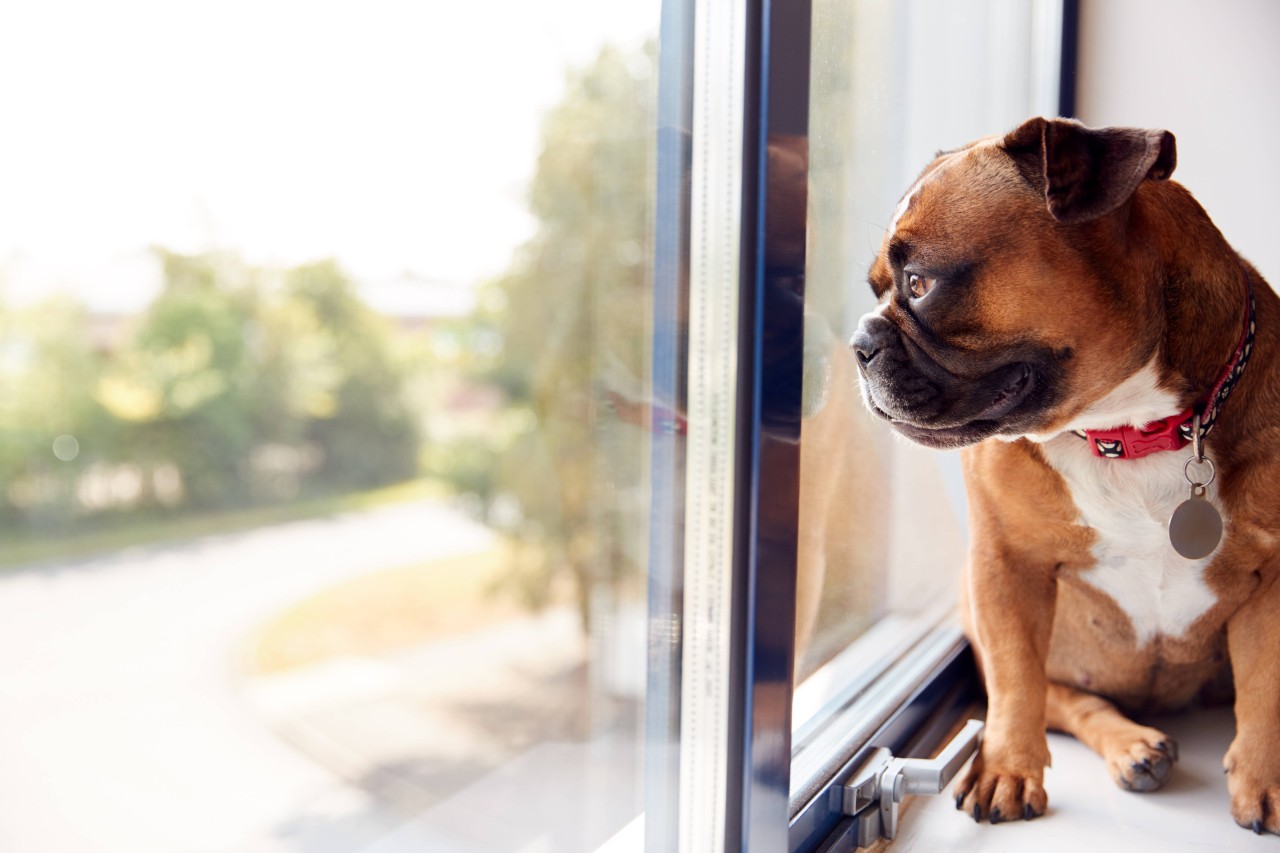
(1174, 432)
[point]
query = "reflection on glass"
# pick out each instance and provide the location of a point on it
(881, 521)
(325, 429)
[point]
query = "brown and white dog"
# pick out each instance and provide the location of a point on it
(1038, 293)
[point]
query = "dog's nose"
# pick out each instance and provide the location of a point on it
(863, 346)
(874, 334)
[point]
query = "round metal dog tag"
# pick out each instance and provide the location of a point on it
(1196, 526)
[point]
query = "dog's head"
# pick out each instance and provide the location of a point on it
(1002, 310)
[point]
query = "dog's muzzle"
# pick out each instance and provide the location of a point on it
(938, 405)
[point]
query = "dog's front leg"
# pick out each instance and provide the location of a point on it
(1011, 618)
(1253, 760)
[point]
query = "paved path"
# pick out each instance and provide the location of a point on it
(492, 740)
(121, 723)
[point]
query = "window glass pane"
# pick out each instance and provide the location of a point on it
(328, 424)
(882, 520)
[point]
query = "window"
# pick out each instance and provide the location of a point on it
(432, 430)
(328, 425)
(843, 564)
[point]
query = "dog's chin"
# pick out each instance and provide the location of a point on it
(947, 438)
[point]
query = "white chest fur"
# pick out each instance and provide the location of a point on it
(1128, 504)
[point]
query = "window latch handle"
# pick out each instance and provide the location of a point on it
(923, 775)
(888, 780)
(931, 775)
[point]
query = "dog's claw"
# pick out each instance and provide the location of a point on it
(1000, 797)
(1257, 827)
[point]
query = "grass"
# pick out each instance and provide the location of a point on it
(26, 546)
(393, 609)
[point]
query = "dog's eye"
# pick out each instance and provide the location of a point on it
(920, 285)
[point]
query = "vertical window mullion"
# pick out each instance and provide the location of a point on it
(776, 287)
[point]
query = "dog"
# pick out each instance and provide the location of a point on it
(1052, 303)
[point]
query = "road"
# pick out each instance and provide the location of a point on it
(121, 724)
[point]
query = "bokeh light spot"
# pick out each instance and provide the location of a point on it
(66, 448)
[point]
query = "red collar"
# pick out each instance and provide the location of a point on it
(1174, 432)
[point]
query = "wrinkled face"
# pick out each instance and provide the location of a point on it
(994, 319)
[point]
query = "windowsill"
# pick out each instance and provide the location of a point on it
(1085, 808)
(836, 683)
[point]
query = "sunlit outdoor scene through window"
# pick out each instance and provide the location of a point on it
(324, 336)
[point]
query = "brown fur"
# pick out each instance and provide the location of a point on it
(839, 508)
(841, 521)
(1150, 277)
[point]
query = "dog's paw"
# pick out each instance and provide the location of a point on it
(998, 794)
(1142, 761)
(1254, 785)
(1255, 804)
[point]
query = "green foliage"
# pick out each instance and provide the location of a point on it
(187, 380)
(48, 371)
(236, 387)
(466, 463)
(573, 315)
(366, 432)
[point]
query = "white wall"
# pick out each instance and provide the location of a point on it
(1210, 73)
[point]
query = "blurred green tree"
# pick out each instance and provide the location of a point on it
(185, 383)
(48, 371)
(254, 387)
(353, 390)
(573, 313)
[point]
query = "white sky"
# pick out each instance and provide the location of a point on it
(393, 135)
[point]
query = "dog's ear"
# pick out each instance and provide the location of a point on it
(1085, 172)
